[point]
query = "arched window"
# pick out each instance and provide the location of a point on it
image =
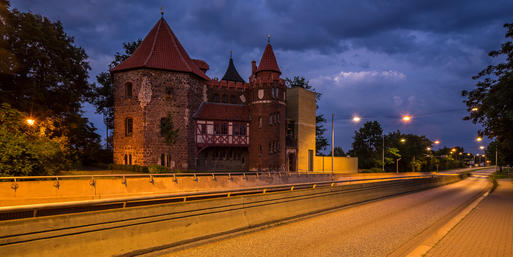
(215, 98)
(129, 127)
(163, 122)
(128, 90)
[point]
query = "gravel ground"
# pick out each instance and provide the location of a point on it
(373, 229)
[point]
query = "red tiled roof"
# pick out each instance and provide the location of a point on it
(161, 49)
(222, 111)
(201, 64)
(268, 61)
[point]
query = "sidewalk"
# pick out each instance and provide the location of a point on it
(486, 231)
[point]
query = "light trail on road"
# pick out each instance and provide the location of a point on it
(373, 229)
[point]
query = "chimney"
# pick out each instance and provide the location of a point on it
(253, 67)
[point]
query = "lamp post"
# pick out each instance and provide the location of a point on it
(332, 142)
(397, 166)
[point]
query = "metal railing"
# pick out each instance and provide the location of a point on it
(34, 210)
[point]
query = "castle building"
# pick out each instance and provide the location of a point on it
(224, 125)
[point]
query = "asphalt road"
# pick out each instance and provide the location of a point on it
(373, 229)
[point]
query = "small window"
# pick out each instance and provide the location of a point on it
(270, 119)
(215, 98)
(217, 129)
(163, 122)
(129, 126)
(242, 129)
(128, 90)
(163, 159)
(126, 159)
(168, 160)
(130, 159)
(224, 129)
(235, 129)
(225, 99)
(233, 99)
(203, 129)
(259, 121)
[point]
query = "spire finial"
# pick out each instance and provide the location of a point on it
(268, 38)
(162, 11)
(230, 54)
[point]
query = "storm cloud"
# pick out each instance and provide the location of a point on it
(378, 59)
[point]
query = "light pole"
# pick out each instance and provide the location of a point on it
(332, 142)
(397, 165)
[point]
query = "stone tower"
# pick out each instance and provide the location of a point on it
(267, 107)
(158, 79)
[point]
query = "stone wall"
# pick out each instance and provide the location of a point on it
(156, 93)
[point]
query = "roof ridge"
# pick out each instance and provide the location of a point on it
(154, 43)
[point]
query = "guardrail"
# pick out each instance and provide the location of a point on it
(48, 209)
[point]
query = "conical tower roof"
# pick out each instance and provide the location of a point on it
(268, 61)
(231, 73)
(160, 49)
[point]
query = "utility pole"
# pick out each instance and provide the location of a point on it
(383, 154)
(332, 143)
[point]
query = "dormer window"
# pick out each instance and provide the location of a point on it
(128, 90)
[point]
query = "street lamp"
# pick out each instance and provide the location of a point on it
(406, 118)
(474, 109)
(479, 139)
(429, 148)
(356, 119)
(403, 140)
(481, 147)
(436, 142)
(30, 121)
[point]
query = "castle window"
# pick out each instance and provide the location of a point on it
(169, 92)
(225, 99)
(270, 147)
(259, 121)
(129, 126)
(128, 90)
(224, 129)
(233, 100)
(243, 160)
(163, 122)
(242, 129)
(163, 159)
(215, 98)
(126, 159)
(168, 160)
(278, 117)
(130, 159)
(235, 129)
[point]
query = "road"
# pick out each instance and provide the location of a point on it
(374, 229)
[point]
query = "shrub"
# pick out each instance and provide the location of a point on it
(134, 168)
(155, 168)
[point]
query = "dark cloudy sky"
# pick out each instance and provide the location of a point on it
(378, 59)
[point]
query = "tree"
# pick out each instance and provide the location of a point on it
(168, 131)
(367, 142)
(321, 142)
(103, 94)
(28, 150)
(337, 151)
(43, 73)
(490, 104)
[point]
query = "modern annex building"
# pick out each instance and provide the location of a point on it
(226, 124)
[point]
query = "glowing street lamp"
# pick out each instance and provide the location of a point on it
(356, 119)
(453, 150)
(436, 142)
(481, 147)
(403, 140)
(30, 121)
(406, 118)
(468, 154)
(479, 139)
(429, 148)
(460, 153)
(474, 109)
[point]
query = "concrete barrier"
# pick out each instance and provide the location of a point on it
(74, 188)
(139, 229)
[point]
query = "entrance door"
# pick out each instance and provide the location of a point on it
(310, 160)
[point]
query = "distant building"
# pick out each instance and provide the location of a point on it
(226, 124)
